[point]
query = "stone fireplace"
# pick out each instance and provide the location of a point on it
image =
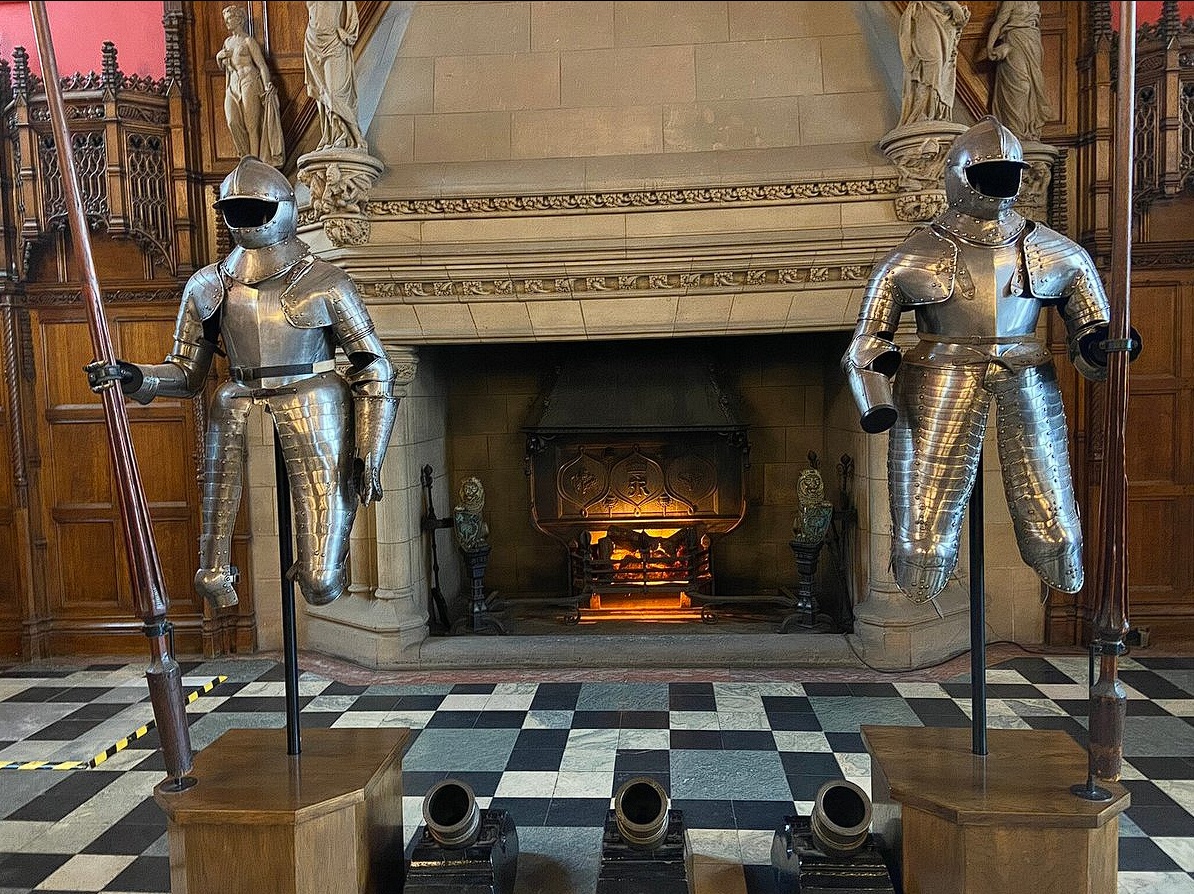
(715, 188)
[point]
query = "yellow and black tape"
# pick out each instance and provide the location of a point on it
(111, 750)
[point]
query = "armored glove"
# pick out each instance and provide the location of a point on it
(100, 376)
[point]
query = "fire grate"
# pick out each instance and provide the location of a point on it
(637, 472)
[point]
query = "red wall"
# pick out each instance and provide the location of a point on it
(1150, 11)
(80, 28)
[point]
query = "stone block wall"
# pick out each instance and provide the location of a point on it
(542, 86)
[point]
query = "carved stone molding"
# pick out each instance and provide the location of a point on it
(60, 297)
(646, 198)
(917, 207)
(731, 280)
(918, 151)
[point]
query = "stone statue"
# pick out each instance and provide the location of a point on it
(816, 513)
(1014, 43)
(332, 30)
(472, 533)
(250, 100)
(929, 32)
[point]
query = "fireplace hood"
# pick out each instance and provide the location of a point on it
(658, 390)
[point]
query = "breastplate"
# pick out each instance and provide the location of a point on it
(989, 299)
(256, 332)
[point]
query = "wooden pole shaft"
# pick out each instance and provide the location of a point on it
(145, 570)
(1108, 702)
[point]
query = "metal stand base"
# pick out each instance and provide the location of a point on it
(180, 784)
(1088, 791)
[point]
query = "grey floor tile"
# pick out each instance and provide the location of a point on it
(210, 727)
(1158, 737)
(555, 860)
(18, 720)
(844, 714)
(744, 775)
(623, 697)
(485, 750)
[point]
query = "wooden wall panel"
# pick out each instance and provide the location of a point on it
(88, 602)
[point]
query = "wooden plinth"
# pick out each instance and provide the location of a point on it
(957, 824)
(258, 821)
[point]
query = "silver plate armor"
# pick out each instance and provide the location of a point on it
(976, 279)
(281, 314)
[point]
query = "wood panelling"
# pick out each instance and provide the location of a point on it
(87, 603)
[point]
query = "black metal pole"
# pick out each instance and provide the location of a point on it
(978, 620)
(289, 636)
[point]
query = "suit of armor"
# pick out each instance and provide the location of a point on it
(281, 314)
(977, 278)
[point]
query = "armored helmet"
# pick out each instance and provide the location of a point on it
(982, 170)
(258, 204)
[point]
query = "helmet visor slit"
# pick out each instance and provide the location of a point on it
(995, 179)
(247, 213)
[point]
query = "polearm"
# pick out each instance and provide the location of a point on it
(149, 593)
(1108, 701)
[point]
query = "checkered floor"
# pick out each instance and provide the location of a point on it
(735, 756)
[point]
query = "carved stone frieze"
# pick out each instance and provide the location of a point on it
(56, 297)
(919, 206)
(343, 231)
(710, 281)
(918, 152)
(648, 198)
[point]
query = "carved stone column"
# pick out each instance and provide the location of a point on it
(383, 617)
(890, 631)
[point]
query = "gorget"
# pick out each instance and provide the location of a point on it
(978, 230)
(252, 265)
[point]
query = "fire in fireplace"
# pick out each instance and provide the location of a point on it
(637, 471)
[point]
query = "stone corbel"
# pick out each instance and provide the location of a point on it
(918, 152)
(340, 181)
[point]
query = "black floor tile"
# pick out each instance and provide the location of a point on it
(1037, 670)
(761, 815)
(453, 720)
(1146, 793)
(706, 814)
(696, 738)
(64, 797)
(806, 763)
(556, 697)
(535, 759)
(473, 689)
(644, 761)
(526, 812)
(64, 731)
(1152, 685)
(1142, 707)
(482, 784)
(1162, 821)
(622, 777)
(147, 813)
(747, 740)
(596, 719)
(684, 702)
(847, 743)
(542, 738)
(874, 690)
(1163, 767)
(1142, 855)
(500, 720)
(28, 870)
(36, 694)
(786, 704)
(643, 719)
(376, 703)
(794, 722)
(418, 702)
(690, 689)
(143, 874)
(125, 838)
(828, 690)
(318, 719)
(333, 688)
(586, 812)
(805, 788)
(416, 783)
(97, 711)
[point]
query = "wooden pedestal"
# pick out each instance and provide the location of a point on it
(329, 821)
(960, 824)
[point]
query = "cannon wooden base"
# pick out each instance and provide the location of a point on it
(329, 821)
(954, 823)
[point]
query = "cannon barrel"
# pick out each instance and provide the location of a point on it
(451, 814)
(841, 818)
(641, 812)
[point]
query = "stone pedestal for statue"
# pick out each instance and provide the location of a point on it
(340, 181)
(1034, 191)
(918, 152)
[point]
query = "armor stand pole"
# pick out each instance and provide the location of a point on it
(978, 620)
(289, 636)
